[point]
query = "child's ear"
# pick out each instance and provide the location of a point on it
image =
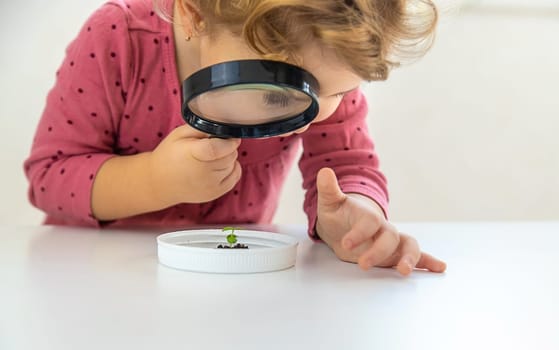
(190, 13)
(191, 19)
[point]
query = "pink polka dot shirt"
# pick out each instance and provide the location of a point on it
(117, 92)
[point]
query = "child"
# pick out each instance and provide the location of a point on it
(111, 148)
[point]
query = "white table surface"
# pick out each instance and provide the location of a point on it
(70, 288)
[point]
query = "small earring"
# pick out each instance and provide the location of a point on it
(201, 26)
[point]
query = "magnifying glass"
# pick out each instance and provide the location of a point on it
(250, 99)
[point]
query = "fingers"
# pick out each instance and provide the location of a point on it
(412, 257)
(409, 255)
(329, 192)
(220, 182)
(211, 149)
(362, 231)
(203, 147)
(389, 248)
(385, 244)
(431, 263)
(223, 164)
(232, 178)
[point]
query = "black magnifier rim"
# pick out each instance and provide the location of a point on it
(250, 72)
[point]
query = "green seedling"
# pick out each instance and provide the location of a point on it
(231, 237)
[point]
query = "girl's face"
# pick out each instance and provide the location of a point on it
(334, 78)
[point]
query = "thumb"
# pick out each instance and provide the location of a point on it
(186, 131)
(329, 192)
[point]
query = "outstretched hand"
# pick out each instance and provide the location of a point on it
(356, 230)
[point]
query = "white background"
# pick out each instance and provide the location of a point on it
(467, 133)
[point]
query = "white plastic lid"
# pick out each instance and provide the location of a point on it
(196, 250)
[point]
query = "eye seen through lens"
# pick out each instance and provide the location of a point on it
(250, 104)
(276, 99)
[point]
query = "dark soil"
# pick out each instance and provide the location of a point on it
(236, 246)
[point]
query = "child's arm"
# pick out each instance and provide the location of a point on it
(342, 143)
(77, 171)
(78, 130)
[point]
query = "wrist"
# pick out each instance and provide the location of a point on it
(322, 235)
(155, 183)
(123, 188)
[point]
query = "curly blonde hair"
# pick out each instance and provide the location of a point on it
(370, 36)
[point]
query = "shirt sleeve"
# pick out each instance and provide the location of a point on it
(79, 125)
(342, 142)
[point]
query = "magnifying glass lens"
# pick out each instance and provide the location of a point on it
(250, 104)
(250, 98)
